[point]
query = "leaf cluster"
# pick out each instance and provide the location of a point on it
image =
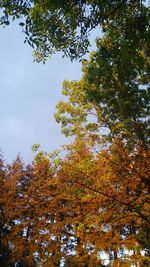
(52, 26)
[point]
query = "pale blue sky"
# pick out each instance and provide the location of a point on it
(29, 92)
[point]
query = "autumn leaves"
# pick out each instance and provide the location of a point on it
(93, 205)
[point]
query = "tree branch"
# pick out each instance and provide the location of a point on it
(117, 200)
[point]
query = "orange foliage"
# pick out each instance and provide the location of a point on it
(93, 207)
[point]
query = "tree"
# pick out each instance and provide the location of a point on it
(110, 194)
(91, 205)
(77, 116)
(12, 194)
(4, 227)
(28, 208)
(52, 26)
(113, 95)
(93, 201)
(35, 215)
(117, 82)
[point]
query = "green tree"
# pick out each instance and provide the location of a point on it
(52, 26)
(112, 98)
(77, 116)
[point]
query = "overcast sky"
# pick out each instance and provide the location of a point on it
(29, 92)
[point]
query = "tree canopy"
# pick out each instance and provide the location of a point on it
(112, 98)
(93, 210)
(90, 207)
(65, 26)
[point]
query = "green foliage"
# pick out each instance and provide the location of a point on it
(35, 147)
(52, 26)
(76, 114)
(54, 157)
(113, 94)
